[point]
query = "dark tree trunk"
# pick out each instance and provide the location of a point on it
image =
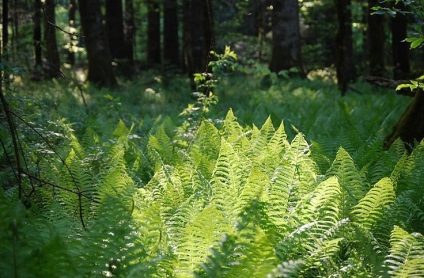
(344, 45)
(15, 30)
(249, 26)
(38, 67)
(262, 26)
(52, 53)
(376, 40)
(100, 71)
(72, 10)
(400, 49)
(115, 28)
(170, 32)
(410, 127)
(153, 32)
(5, 28)
(129, 31)
(285, 36)
(198, 35)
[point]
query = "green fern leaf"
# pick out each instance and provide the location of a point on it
(199, 235)
(228, 179)
(370, 208)
(205, 148)
(351, 181)
(160, 147)
(406, 257)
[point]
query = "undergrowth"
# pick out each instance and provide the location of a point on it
(298, 185)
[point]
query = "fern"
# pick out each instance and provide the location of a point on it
(370, 208)
(406, 254)
(351, 180)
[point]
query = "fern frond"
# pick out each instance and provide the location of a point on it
(160, 147)
(325, 201)
(229, 176)
(279, 193)
(287, 269)
(205, 148)
(202, 232)
(352, 182)
(233, 133)
(246, 252)
(406, 257)
(121, 131)
(260, 138)
(370, 208)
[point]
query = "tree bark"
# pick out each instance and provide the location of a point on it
(100, 71)
(5, 28)
(400, 49)
(410, 127)
(345, 66)
(51, 50)
(38, 67)
(153, 32)
(170, 32)
(198, 35)
(376, 40)
(115, 28)
(285, 36)
(129, 33)
(72, 10)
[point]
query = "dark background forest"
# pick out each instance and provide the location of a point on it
(122, 38)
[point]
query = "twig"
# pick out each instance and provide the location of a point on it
(391, 84)
(12, 130)
(59, 28)
(78, 190)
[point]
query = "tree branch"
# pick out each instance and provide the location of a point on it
(391, 84)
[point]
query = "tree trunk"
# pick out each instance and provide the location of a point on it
(115, 28)
(345, 66)
(410, 127)
(129, 31)
(153, 32)
(38, 67)
(52, 53)
(285, 36)
(72, 10)
(170, 32)
(400, 49)
(5, 28)
(376, 40)
(198, 35)
(100, 71)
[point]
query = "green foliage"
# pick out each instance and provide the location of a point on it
(111, 190)
(233, 202)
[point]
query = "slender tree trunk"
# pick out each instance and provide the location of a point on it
(115, 28)
(72, 10)
(344, 45)
(198, 35)
(170, 32)
(38, 67)
(400, 49)
(129, 31)
(100, 71)
(51, 50)
(5, 29)
(153, 32)
(285, 36)
(15, 29)
(376, 40)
